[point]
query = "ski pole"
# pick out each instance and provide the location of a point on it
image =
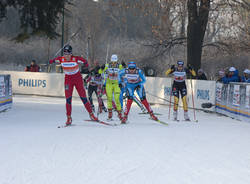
(170, 98)
(193, 99)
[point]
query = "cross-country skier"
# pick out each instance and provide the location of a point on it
(111, 72)
(123, 90)
(95, 80)
(73, 78)
(179, 86)
(135, 80)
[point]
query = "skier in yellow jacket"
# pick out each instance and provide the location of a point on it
(179, 86)
(111, 71)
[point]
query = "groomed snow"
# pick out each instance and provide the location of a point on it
(34, 151)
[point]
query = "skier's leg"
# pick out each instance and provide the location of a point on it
(176, 101)
(141, 92)
(109, 93)
(82, 93)
(117, 92)
(184, 101)
(121, 97)
(90, 93)
(130, 94)
(68, 85)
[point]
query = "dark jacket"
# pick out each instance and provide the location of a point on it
(201, 77)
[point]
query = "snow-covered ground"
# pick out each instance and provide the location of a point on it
(34, 151)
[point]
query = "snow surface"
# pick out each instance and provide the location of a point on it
(34, 151)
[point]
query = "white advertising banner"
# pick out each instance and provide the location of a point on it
(158, 90)
(219, 91)
(247, 97)
(2, 86)
(236, 95)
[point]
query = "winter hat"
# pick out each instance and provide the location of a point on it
(232, 69)
(200, 71)
(247, 71)
(221, 72)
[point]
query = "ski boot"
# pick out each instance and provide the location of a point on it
(153, 116)
(69, 121)
(186, 117)
(120, 115)
(124, 119)
(104, 109)
(92, 117)
(110, 114)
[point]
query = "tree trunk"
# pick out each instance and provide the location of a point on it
(197, 23)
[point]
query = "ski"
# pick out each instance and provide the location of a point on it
(148, 113)
(194, 121)
(65, 126)
(159, 121)
(101, 122)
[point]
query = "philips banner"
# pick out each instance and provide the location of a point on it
(5, 92)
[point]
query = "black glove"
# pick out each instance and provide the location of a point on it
(189, 67)
(124, 64)
(137, 87)
(172, 67)
(120, 86)
(103, 66)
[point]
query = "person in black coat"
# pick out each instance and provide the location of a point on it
(201, 75)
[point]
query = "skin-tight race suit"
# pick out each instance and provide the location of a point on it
(179, 85)
(73, 78)
(112, 85)
(135, 82)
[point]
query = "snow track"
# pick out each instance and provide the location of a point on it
(35, 151)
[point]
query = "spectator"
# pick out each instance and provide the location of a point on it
(33, 67)
(201, 75)
(221, 75)
(246, 76)
(232, 76)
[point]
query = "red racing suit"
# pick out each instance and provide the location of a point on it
(73, 78)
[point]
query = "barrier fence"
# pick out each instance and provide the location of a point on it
(233, 100)
(5, 92)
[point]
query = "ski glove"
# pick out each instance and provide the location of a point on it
(172, 67)
(137, 87)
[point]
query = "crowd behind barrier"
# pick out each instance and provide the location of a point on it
(5, 92)
(233, 100)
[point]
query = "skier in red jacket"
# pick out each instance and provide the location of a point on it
(73, 78)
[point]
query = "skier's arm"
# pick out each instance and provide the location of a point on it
(142, 76)
(87, 78)
(191, 71)
(120, 74)
(81, 60)
(55, 60)
(170, 70)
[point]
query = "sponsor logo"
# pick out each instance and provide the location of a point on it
(32, 83)
(167, 91)
(203, 94)
(68, 64)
